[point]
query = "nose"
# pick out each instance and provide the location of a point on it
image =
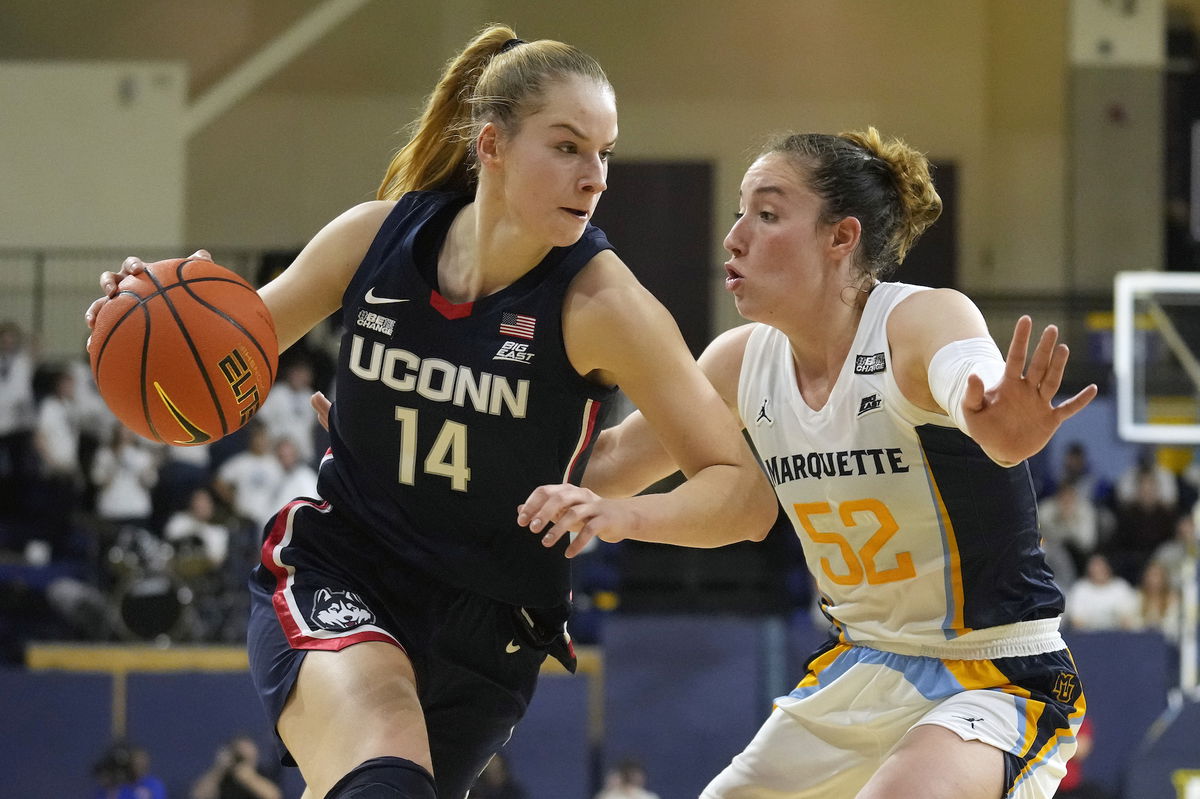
(595, 177)
(733, 241)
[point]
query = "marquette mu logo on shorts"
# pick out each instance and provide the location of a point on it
(339, 610)
(1066, 687)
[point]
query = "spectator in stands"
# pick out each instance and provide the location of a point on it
(182, 471)
(96, 421)
(626, 781)
(1158, 601)
(1070, 519)
(17, 414)
(1173, 553)
(1061, 563)
(124, 471)
(247, 481)
(1077, 469)
(296, 477)
(199, 541)
(56, 439)
(497, 782)
(1128, 489)
(287, 411)
(236, 774)
(1100, 600)
(123, 772)
(1143, 524)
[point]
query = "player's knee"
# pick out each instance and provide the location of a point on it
(385, 778)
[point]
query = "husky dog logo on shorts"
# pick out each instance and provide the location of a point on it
(339, 610)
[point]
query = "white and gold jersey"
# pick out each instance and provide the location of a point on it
(918, 543)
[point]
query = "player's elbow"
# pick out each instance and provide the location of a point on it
(761, 509)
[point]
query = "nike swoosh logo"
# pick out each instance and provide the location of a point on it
(371, 298)
(513, 646)
(198, 436)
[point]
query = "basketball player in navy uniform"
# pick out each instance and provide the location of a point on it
(895, 435)
(399, 622)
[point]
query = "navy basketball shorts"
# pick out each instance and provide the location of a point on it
(323, 583)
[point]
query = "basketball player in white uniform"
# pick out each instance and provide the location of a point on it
(895, 435)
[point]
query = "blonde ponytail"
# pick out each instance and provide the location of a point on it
(436, 156)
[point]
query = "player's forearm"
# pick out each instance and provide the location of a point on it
(626, 460)
(721, 504)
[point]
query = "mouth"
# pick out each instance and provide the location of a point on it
(733, 278)
(576, 212)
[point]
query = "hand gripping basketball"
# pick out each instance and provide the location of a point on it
(183, 351)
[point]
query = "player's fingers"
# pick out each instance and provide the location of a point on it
(1014, 364)
(542, 507)
(581, 541)
(1075, 404)
(1052, 379)
(532, 503)
(89, 315)
(109, 281)
(1042, 354)
(202, 254)
(566, 512)
(321, 405)
(973, 397)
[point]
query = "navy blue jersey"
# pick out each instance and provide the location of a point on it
(447, 415)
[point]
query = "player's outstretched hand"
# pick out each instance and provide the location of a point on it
(1014, 419)
(110, 280)
(556, 510)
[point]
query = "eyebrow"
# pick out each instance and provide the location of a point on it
(769, 190)
(577, 132)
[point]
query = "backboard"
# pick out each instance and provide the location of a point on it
(1156, 356)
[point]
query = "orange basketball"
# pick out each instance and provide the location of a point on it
(185, 353)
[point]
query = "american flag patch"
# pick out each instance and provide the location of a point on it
(519, 325)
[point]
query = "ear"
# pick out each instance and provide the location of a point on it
(323, 595)
(487, 144)
(846, 234)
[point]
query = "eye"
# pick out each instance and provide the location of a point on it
(767, 216)
(738, 215)
(606, 154)
(567, 147)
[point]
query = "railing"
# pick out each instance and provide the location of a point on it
(47, 290)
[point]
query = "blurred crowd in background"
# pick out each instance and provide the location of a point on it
(107, 536)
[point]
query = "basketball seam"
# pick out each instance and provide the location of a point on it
(140, 305)
(142, 382)
(212, 392)
(261, 351)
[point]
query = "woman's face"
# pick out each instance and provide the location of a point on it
(555, 166)
(776, 244)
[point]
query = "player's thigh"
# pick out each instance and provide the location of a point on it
(349, 706)
(932, 762)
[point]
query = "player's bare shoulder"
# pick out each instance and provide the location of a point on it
(722, 361)
(608, 316)
(925, 314)
(604, 286)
